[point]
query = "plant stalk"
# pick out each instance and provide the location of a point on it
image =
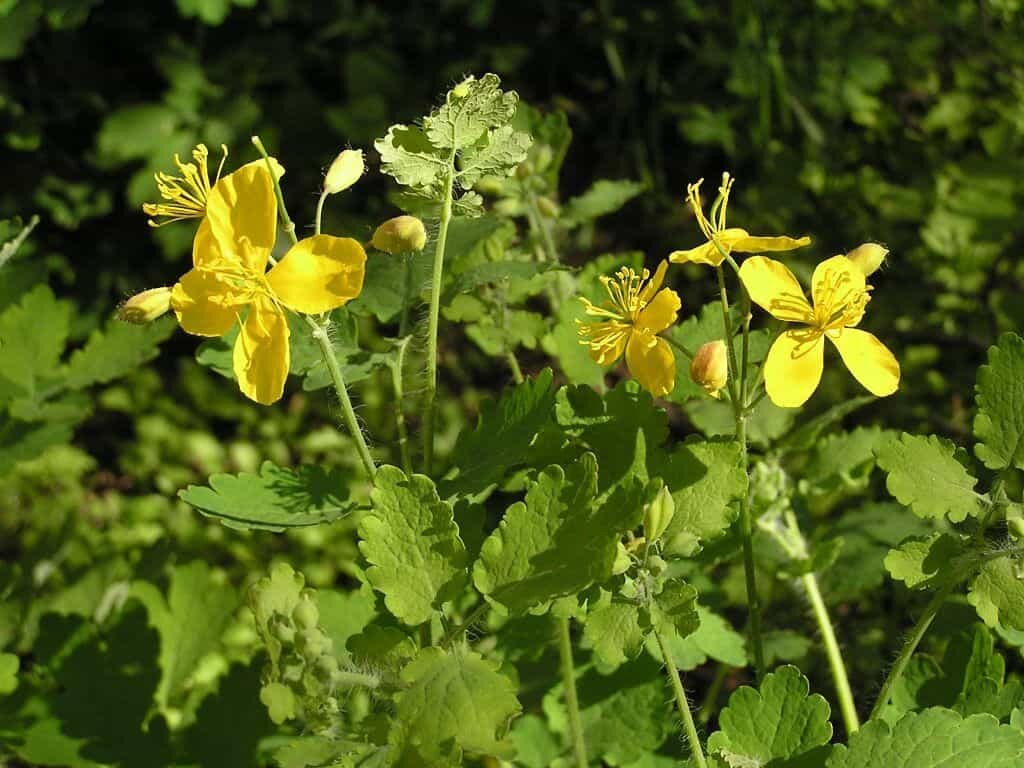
(397, 368)
(835, 657)
(579, 746)
(672, 672)
(435, 314)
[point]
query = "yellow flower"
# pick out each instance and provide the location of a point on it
(727, 239)
(630, 321)
(230, 255)
(185, 194)
(793, 367)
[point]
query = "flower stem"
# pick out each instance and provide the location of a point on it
(286, 222)
(835, 656)
(320, 211)
(513, 364)
(713, 692)
(909, 647)
(333, 367)
(397, 367)
(435, 313)
(672, 673)
(572, 703)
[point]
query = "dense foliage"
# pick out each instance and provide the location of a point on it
(499, 551)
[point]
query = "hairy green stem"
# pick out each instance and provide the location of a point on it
(579, 746)
(356, 679)
(403, 323)
(835, 657)
(435, 314)
(397, 368)
(916, 634)
(672, 673)
(320, 211)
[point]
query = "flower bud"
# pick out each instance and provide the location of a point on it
(402, 234)
(868, 257)
(548, 208)
(658, 514)
(344, 171)
(145, 307)
(710, 367)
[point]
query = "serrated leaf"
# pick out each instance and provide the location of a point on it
(706, 479)
(999, 424)
(934, 738)
(923, 474)
(275, 499)
(496, 153)
(412, 544)
(32, 337)
(714, 638)
(924, 562)
(674, 610)
(997, 593)
(453, 697)
(190, 621)
(778, 721)
(503, 435)
(614, 632)
(556, 542)
(604, 197)
(408, 156)
(9, 664)
(117, 350)
(470, 109)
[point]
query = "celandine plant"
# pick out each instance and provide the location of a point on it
(530, 593)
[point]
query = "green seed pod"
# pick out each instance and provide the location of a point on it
(402, 234)
(306, 614)
(658, 514)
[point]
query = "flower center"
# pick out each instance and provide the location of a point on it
(840, 301)
(186, 195)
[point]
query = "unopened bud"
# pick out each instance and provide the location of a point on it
(402, 234)
(868, 257)
(548, 208)
(710, 367)
(543, 157)
(145, 307)
(524, 170)
(658, 514)
(344, 171)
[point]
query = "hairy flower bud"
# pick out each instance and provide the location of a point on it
(344, 171)
(658, 514)
(402, 234)
(868, 257)
(710, 367)
(145, 307)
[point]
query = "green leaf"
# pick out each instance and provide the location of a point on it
(778, 721)
(999, 424)
(470, 109)
(117, 350)
(453, 697)
(924, 474)
(674, 610)
(275, 499)
(502, 437)
(924, 562)
(536, 746)
(706, 479)
(614, 631)
(556, 542)
(412, 544)
(603, 197)
(9, 664)
(934, 738)
(191, 620)
(32, 337)
(408, 156)
(496, 153)
(10, 247)
(997, 594)
(714, 638)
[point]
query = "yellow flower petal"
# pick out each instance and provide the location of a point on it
(654, 283)
(651, 362)
(869, 360)
(606, 340)
(756, 244)
(319, 274)
(660, 313)
(202, 305)
(241, 206)
(775, 289)
(702, 254)
(839, 290)
(260, 358)
(793, 367)
(206, 249)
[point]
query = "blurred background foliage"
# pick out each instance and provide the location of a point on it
(849, 120)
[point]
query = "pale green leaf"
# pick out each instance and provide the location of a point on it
(778, 721)
(409, 157)
(32, 337)
(117, 350)
(714, 638)
(453, 697)
(674, 610)
(275, 499)
(614, 631)
(9, 664)
(496, 153)
(934, 738)
(470, 109)
(999, 425)
(411, 541)
(924, 562)
(997, 593)
(925, 475)
(604, 197)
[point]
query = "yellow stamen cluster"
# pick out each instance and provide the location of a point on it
(715, 223)
(186, 194)
(840, 302)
